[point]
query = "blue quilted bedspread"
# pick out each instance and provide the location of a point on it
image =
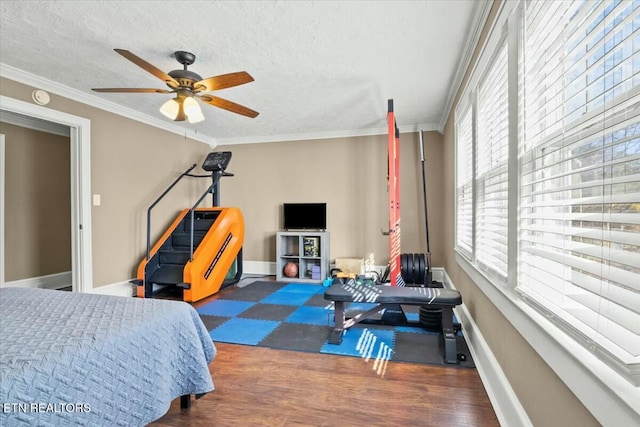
(92, 360)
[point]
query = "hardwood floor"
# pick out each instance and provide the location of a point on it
(258, 386)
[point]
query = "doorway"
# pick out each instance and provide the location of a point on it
(80, 144)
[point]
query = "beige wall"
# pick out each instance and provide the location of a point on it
(37, 203)
(545, 398)
(350, 175)
(131, 164)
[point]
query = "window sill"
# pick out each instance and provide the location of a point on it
(611, 399)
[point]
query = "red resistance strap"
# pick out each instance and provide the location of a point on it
(394, 198)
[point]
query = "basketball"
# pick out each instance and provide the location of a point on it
(291, 269)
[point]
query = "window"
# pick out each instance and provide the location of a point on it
(464, 183)
(576, 190)
(491, 167)
(580, 179)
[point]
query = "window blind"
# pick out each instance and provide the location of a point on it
(579, 223)
(492, 154)
(464, 181)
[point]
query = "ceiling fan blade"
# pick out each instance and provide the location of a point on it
(148, 67)
(131, 90)
(228, 105)
(224, 81)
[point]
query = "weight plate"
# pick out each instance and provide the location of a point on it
(403, 267)
(421, 270)
(431, 318)
(412, 268)
(409, 270)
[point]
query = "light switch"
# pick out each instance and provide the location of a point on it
(96, 200)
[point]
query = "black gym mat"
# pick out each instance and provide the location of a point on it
(295, 316)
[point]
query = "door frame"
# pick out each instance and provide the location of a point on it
(81, 235)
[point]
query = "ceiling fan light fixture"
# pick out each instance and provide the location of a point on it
(170, 108)
(192, 110)
(190, 107)
(195, 118)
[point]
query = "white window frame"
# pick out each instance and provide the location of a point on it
(612, 395)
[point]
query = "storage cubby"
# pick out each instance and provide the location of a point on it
(309, 250)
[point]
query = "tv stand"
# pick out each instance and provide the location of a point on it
(309, 250)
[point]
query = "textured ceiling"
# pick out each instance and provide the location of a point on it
(321, 68)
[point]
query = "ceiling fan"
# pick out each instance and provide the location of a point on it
(187, 86)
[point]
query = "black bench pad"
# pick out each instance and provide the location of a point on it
(392, 295)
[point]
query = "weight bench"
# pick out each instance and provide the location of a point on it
(386, 296)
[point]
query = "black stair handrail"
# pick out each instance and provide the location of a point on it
(185, 173)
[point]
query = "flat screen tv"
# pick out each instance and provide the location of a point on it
(305, 216)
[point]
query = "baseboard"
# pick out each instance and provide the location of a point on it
(122, 289)
(438, 274)
(253, 268)
(269, 268)
(505, 402)
(49, 281)
(127, 289)
(260, 268)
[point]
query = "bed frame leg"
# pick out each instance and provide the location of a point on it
(185, 401)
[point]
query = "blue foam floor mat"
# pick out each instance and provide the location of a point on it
(295, 316)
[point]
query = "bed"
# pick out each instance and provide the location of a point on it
(90, 360)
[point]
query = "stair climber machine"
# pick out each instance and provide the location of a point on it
(201, 251)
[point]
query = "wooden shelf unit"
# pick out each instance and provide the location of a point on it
(290, 247)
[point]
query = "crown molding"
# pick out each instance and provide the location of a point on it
(325, 135)
(481, 14)
(15, 74)
(33, 123)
